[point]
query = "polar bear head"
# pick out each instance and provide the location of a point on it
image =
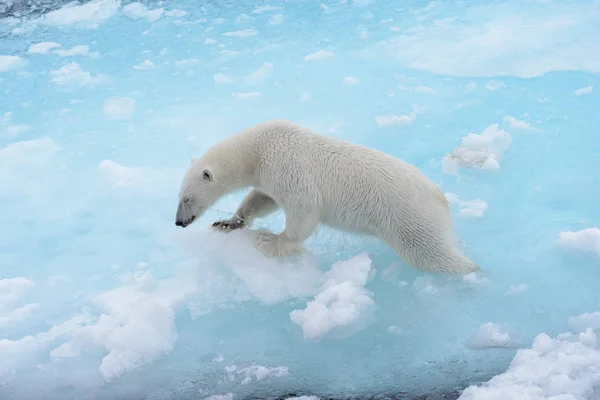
(199, 190)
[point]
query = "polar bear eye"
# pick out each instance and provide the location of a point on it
(206, 175)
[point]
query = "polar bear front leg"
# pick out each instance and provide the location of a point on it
(255, 205)
(298, 227)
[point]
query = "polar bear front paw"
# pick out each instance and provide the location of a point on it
(229, 224)
(272, 245)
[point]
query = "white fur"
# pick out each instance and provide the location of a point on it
(317, 179)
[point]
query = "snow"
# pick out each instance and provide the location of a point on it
(103, 104)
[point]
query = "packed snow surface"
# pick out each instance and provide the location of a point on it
(103, 104)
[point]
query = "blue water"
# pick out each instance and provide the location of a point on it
(103, 297)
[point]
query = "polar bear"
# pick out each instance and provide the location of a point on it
(316, 180)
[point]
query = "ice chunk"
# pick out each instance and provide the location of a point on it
(584, 90)
(43, 47)
(587, 240)
(254, 373)
(11, 289)
(519, 124)
(263, 9)
(26, 152)
(17, 315)
(8, 63)
(588, 338)
(119, 107)
(350, 81)
(303, 398)
(517, 289)
(18, 354)
(135, 327)
(146, 64)
(13, 131)
(474, 208)
(140, 11)
(12, 293)
(79, 50)
(277, 19)
(246, 95)
(88, 15)
(341, 300)
(478, 151)
(565, 367)
(395, 120)
(122, 176)
(584, 321)
(319, 55)
(72, 74)
(228, 396)
(491, 335)
(244, 33)
(494, 85)
(270, 281)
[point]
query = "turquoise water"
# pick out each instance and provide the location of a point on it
(104, 103)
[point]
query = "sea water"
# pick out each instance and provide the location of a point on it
(103, 103)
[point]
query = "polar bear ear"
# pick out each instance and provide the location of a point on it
(193, 160)
(207, 175)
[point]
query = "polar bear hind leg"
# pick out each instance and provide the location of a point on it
(431, 253)
(299, 225)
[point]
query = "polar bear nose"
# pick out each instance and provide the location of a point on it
(185, 222)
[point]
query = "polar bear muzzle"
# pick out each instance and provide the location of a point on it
(185, 214)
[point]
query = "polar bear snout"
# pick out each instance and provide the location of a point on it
(184, 223)
(185, 214)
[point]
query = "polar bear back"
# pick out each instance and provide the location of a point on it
(357, 189)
